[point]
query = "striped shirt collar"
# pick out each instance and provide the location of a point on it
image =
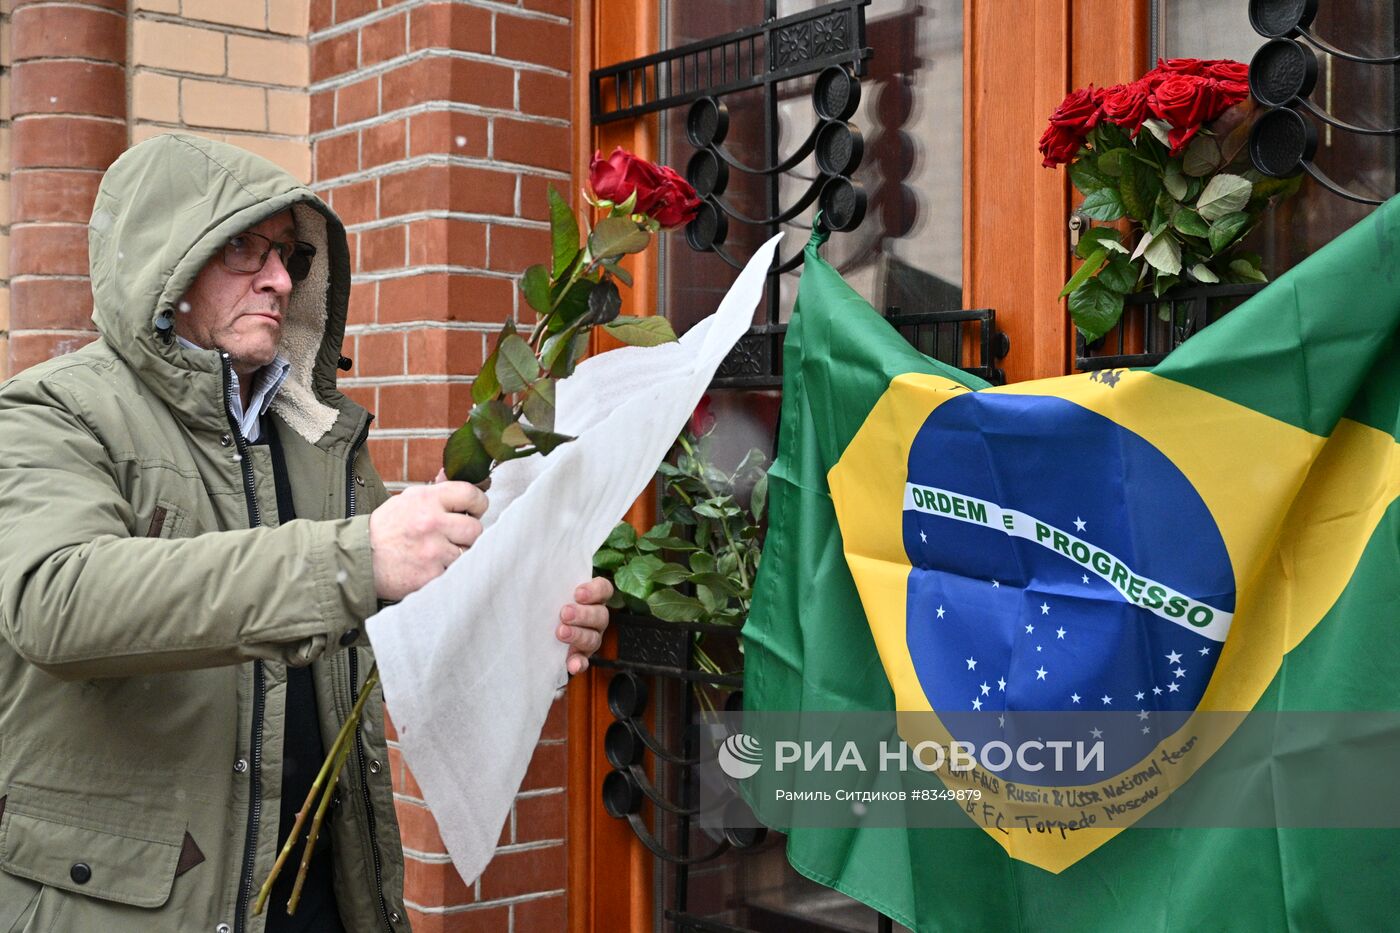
(266, 383)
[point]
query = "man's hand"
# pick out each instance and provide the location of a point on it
(583, 623)
(417, 534)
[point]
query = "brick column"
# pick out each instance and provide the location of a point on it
(68, 100)
(436, 128)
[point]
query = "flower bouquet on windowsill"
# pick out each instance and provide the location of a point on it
(512, 415)
(1163, 159)
(699, 563)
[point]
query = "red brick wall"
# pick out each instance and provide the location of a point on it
(67, 101)
(436, 128)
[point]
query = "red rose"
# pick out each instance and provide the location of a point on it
(1182, 66)
(1226, 70)
(1079, 111)
(1069, 124)
(671, 203)
(1228, 93)
(1126, 105)
(1059, 145)
(1184, 103)
(662, 195)
(702, 419)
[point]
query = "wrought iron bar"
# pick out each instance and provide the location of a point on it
(793, 46)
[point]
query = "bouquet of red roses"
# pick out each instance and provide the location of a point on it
(1183, 185)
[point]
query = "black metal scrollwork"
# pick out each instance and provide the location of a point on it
(838, 148)
(1282, 75)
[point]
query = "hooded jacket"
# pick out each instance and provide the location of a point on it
(149, 603)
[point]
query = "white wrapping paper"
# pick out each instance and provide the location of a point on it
(470, 663)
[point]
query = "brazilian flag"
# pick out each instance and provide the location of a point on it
(1220, 533)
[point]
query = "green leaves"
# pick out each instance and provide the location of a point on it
(1223, 194)
(1085, 176)
(671, 606)
(1175, 182)
(1202, 157)
(516, 366)
(700, 561)
(1164, 254)
(1105, 204)
(634, 577)
(1246, 271)
(1190, 223)
(1097, 238)
(1085, 272)
(535, 286)
(1119, 275)
(563, 232)
(538, 405)
(641, 331)
(1139, 188)
(1188, 215)
(1227, 229)
(464, 459)
(1201, 273)
(1095, 308)
(616, 236)
(604, 303)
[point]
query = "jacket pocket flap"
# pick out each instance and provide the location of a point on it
(89, 856)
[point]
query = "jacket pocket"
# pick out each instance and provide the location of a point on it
(55, 839)
(166, 521)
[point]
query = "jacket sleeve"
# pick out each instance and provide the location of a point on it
(82, 597)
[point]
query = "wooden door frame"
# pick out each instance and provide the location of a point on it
(609, 870)
(1017, 217)
(1018, 212)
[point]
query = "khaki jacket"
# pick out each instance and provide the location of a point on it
(149, 604)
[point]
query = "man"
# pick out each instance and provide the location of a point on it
(191, 537)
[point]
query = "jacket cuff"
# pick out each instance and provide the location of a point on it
(349, 592)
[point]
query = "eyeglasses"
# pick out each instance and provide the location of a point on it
(248, 252)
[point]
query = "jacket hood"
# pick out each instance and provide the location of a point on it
(163, 210)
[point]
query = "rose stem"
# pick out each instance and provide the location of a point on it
(341, 754)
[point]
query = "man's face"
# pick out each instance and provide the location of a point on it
(241, 312)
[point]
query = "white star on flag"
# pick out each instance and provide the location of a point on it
(971, 664)
(923, 537)
(1079, 523)
(1142, 714)
(1084, 577)
(976, 703)
(1039, 648)
(1040, 673)
(1205, 651)
(1107, 700)
(1172, 688)
(1074, 698)
(985, 688)
(1001, 684)
(1173, 658)
(1156, 691)
(1045, 609)
(1146, 729)
(996, 584)
(1096, 733)
(1180, 672)
(1001, 720)
(1059, 633)
(1139, 695)
(940, 612)
(1030, 629)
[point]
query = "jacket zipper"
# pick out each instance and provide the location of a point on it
(354, 691)
(250, 493)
